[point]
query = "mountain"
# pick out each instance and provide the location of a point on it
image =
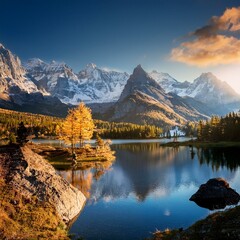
(210, 90)
(96, 86)
(207, 89)
(156, 98)
(12, 75)
(18, 92)
(90, 85)
(143, 100)
(168, 83)
(46, 76)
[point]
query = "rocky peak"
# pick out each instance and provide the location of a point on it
(163, 78)
(138, 72)
(207, 78)
(91, 66)
(207, 75)
(142, 82)
(10, 65)
(91, 70)
(32, 62)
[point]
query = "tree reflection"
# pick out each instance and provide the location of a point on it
(82, 177)
(220, 157)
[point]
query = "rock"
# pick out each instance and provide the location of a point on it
(215, 194)
(30, 174)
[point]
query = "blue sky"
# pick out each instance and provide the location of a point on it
(117, 34)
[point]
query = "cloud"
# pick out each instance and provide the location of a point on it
(212, 44)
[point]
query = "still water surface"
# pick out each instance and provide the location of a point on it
(147, 188)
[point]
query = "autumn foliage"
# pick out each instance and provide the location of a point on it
(78, 126)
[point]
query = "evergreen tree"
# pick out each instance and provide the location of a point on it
(22, 134)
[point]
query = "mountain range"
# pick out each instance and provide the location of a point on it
(153, 98)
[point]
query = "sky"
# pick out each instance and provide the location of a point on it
(181, 37)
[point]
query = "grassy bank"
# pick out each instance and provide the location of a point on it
(220, 225)
(27, 218)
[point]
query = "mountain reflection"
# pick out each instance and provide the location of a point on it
(149, 170)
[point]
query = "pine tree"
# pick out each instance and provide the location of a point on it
(22, 134)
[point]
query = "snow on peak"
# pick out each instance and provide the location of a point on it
(161, 77)
(33, 62)
(167, 82)
(91, 66)
(207, 77)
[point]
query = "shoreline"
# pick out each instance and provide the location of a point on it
(195, 143)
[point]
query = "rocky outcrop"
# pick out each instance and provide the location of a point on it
(30, 174)
(12, 74)
(215, 194)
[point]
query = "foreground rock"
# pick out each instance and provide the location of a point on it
(30, 174)
(215, 194)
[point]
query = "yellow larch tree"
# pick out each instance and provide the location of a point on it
(84, 123)
(78, 126)
(69, 129)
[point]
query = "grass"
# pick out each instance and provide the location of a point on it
(25, 218)
(220, 225)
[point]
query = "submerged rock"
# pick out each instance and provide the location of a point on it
(33, 176)
(215, 194)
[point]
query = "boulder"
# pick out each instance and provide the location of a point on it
(33, 176)
(215, 194)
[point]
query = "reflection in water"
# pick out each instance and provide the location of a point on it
(147, 187)
(145, 169)
(82, 179)
(220, 157)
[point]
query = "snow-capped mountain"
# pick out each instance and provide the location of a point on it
(90, 85)
(207, 88)
(46, 76)
(18, 92)
(96, 85)
(143, 100)
(153, 95)
(99, 85)
(12, 74)
(169, 84)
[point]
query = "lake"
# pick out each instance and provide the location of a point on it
(147, 188)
